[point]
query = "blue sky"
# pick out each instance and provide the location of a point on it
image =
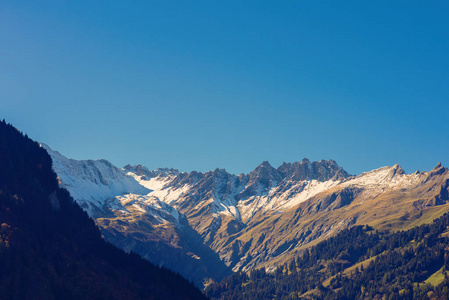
(197, 85)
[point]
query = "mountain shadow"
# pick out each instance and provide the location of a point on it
(51, 249)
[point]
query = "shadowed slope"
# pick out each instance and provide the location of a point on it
(51, 249)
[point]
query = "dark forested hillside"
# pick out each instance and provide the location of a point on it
(51, 249)
(358, 263)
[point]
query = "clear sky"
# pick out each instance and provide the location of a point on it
(197, 85)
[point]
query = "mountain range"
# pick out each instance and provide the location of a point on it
(208, 225)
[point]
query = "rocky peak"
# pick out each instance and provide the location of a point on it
(259, 180)
(215, 179)
(396, 170)
(319, 170)
(265, 174)
(143, 171)
(437, 170)
(187, 178)
(137, 169)
(219, 173)
(164, 172)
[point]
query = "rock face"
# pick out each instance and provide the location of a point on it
(322, 170)
(147, 174)
(204, 225)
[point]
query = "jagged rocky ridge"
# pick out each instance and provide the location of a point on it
(146, 174)
(207, 224)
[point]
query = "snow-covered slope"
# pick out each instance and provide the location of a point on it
(92, 182)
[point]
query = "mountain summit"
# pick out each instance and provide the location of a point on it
(306, 170)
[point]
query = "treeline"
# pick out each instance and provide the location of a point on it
(51, 249)
(394, 267)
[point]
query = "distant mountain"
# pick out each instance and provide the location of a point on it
(216, 221)
(90, 182)
(147, 174)
(51, 249)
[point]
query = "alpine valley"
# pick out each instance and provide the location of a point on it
(206, 226)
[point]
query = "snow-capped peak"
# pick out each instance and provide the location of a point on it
(91, 182)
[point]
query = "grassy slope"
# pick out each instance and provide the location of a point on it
(436, 278)
(391, 211)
